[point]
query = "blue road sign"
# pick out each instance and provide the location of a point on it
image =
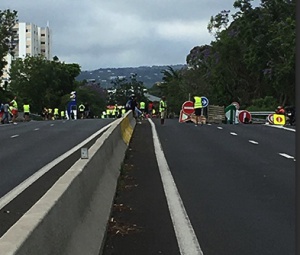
(204, 101)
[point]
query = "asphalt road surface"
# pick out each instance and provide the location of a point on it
(33, 158)
(236, 184)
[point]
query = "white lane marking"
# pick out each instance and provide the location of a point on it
(186, 238)
(219, 127)
(36, 129)
(281, 127)
(26, 183)
(14, 136)
(286, 155)
(233, 133)
(51, 125)
(254, 142)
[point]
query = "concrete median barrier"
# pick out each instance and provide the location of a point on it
(71, 218)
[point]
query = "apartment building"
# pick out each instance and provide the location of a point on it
(28, 40)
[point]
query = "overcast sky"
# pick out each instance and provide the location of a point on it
(122, 33)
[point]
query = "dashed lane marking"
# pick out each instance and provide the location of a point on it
(219, 127)
(232, 133)
(253, 142)
(186, 237)
(14, 136)
(287, 156)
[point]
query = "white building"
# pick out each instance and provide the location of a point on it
(29, 40)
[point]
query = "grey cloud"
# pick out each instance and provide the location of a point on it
(113, 33)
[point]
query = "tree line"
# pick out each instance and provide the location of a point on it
(251, 61)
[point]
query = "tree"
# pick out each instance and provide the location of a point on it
(8, 19)
(42, 82)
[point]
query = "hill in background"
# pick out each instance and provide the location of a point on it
(149, 75)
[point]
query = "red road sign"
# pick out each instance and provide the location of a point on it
(270, 118)
(236, 104)
(244, 116)
(188, 107)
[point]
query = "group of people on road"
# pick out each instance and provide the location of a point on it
(9, 111)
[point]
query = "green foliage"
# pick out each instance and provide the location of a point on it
(123, 89)
(8, 19)
(267, 103)
(253, 56)
(42, 82)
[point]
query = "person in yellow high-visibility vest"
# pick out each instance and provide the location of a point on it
(163, 109)
(198, 109)
(62, 114)
(26, 110)
(56, 113)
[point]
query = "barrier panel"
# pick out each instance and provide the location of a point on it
(71, 218)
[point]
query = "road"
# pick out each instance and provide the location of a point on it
(236, 182)
(227, 189)
(33, 156)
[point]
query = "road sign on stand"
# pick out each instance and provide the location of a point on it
(236, 104)
(204, 102)
(183, 117)
(279, 119)
(244, 116)
(270, 118)
(188, 107)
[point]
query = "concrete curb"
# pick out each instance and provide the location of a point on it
(71, 218)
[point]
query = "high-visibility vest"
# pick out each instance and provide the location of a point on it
(162, 105)
(81, 107)
(56, 111)
(142, 105)
(62, 113)
(26, 108)
(198, 102)
(14, 104)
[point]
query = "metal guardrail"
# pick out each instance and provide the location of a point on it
(261, 113)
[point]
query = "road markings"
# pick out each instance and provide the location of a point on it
(14, 136)
(26, 183)
(286, 156)
(254, 142)
(186, 237)
(51, 125)
(219, 127)
(36, 129)
(281, 127)
(233, 133)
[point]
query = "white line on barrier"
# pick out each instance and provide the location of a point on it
(26, 183)
(186, 237)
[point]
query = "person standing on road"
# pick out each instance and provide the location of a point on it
(26, 110)
(14, 110)
(5, 116)
(81, 109)
(163, 109)
(198, 109)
